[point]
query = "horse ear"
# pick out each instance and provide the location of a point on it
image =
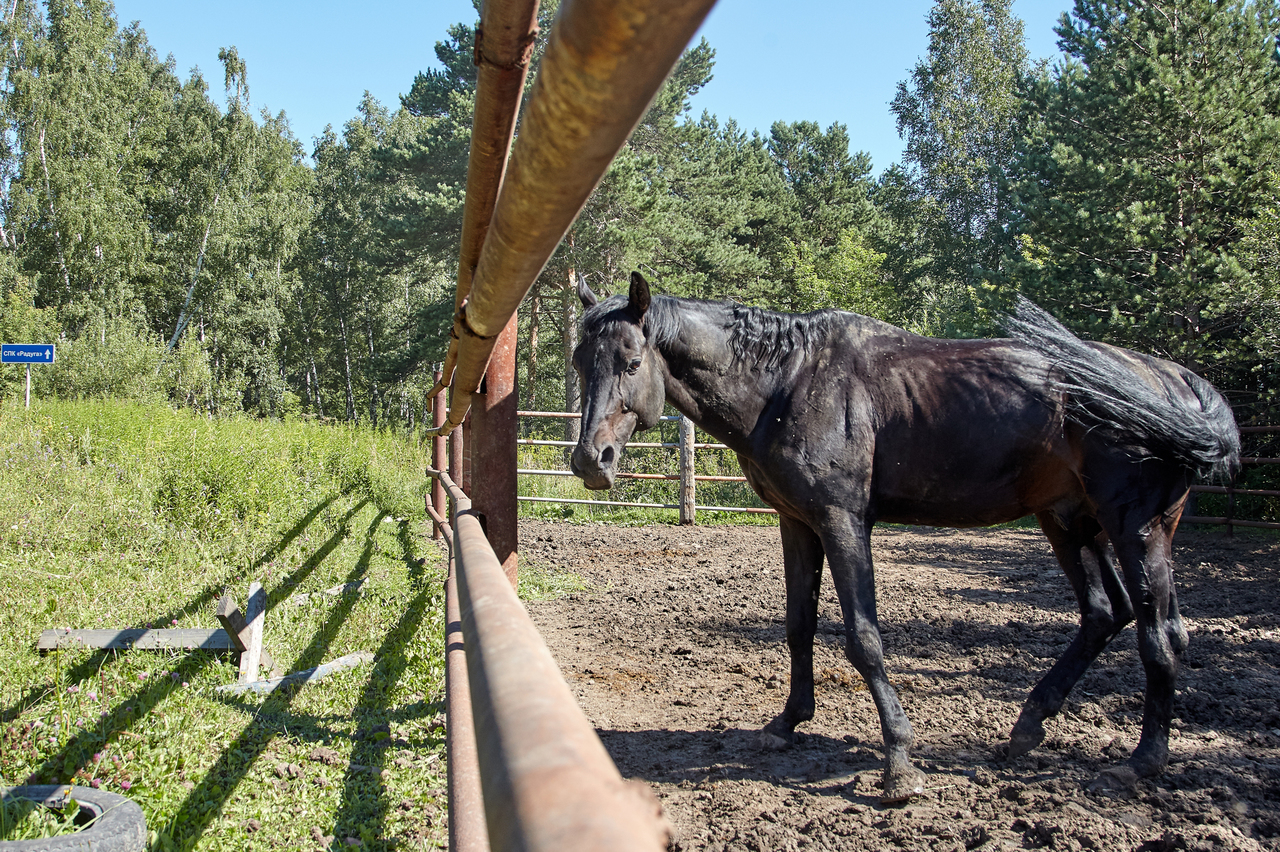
(639, 297)
(588, 298)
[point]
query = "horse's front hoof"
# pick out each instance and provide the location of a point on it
(769, 741)
(1027, 734)
(1148, 762)
(902, 786)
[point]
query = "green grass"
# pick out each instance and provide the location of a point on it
(539, 581)
(127, 515)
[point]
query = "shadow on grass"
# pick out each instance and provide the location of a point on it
(208, 798)
(77, 752)
(356, 815)
(91, 664)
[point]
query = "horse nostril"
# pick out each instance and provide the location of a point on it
(606, 457)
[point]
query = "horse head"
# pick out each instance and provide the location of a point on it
(622, 380)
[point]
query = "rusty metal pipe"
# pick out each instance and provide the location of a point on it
(603, 65)
(548, 783)
(436, 505)
(467, 828)
(504, 46)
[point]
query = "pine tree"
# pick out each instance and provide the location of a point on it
(1146, 151)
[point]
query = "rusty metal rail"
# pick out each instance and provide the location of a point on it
(544, 778)
(605, 61)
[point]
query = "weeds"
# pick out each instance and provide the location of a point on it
(133, 515)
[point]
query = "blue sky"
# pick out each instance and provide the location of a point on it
(817, 60)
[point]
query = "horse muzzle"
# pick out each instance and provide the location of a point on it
(596, 468)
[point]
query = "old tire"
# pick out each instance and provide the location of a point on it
(120, 825)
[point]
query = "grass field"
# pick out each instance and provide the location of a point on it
(118, 514)
(126, 515)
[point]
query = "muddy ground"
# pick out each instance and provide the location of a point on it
(676, 652)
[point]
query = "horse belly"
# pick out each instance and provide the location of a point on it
(969, 489)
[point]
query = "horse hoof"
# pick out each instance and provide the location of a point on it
(770, 741)
(1148, 762)
(1026, 736)
(903, 788)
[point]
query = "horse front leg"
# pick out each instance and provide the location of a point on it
(848, 548)
(802, 563)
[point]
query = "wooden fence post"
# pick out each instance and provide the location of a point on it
(1231, 506)
(438, 452)
(687, 511)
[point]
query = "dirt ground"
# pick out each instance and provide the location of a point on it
(676, 652)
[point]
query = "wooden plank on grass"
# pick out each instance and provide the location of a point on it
(232, 620)
(138, 638)
(255, 609)
(309, 676)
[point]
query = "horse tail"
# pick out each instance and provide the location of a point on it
(1106, 392)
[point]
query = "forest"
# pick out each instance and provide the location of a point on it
(177, 243)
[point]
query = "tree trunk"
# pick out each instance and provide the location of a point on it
(346, 368)
(572, 401)
(369, 371)
(53, 218)
(183, 317)
(315, 383)
(535, 314)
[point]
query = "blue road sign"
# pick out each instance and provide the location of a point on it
(26, 353)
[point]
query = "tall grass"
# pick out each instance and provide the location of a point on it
(117, 514)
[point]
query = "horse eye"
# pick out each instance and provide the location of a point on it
(633, 366)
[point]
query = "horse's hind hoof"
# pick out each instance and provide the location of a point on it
(770, 741)
(1027, 734)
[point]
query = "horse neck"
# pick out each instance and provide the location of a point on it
(705, 382)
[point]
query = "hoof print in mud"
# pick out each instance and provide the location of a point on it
(771, 742)
(1119, 781)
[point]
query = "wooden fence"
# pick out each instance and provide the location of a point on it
(1229, 519)
(687, 476)
(688, 479)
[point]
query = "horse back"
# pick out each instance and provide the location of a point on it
(923, 430)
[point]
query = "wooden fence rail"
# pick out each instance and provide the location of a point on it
(688, 479)
(1229, 519)
(687, 476)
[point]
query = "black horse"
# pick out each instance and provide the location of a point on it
(840, 421)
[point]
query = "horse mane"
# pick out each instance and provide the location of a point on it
(757, 337)
(767, 338)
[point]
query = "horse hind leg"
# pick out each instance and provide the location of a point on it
(1145, 554)
(1105, 609)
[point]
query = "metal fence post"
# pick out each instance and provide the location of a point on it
(688, 511)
